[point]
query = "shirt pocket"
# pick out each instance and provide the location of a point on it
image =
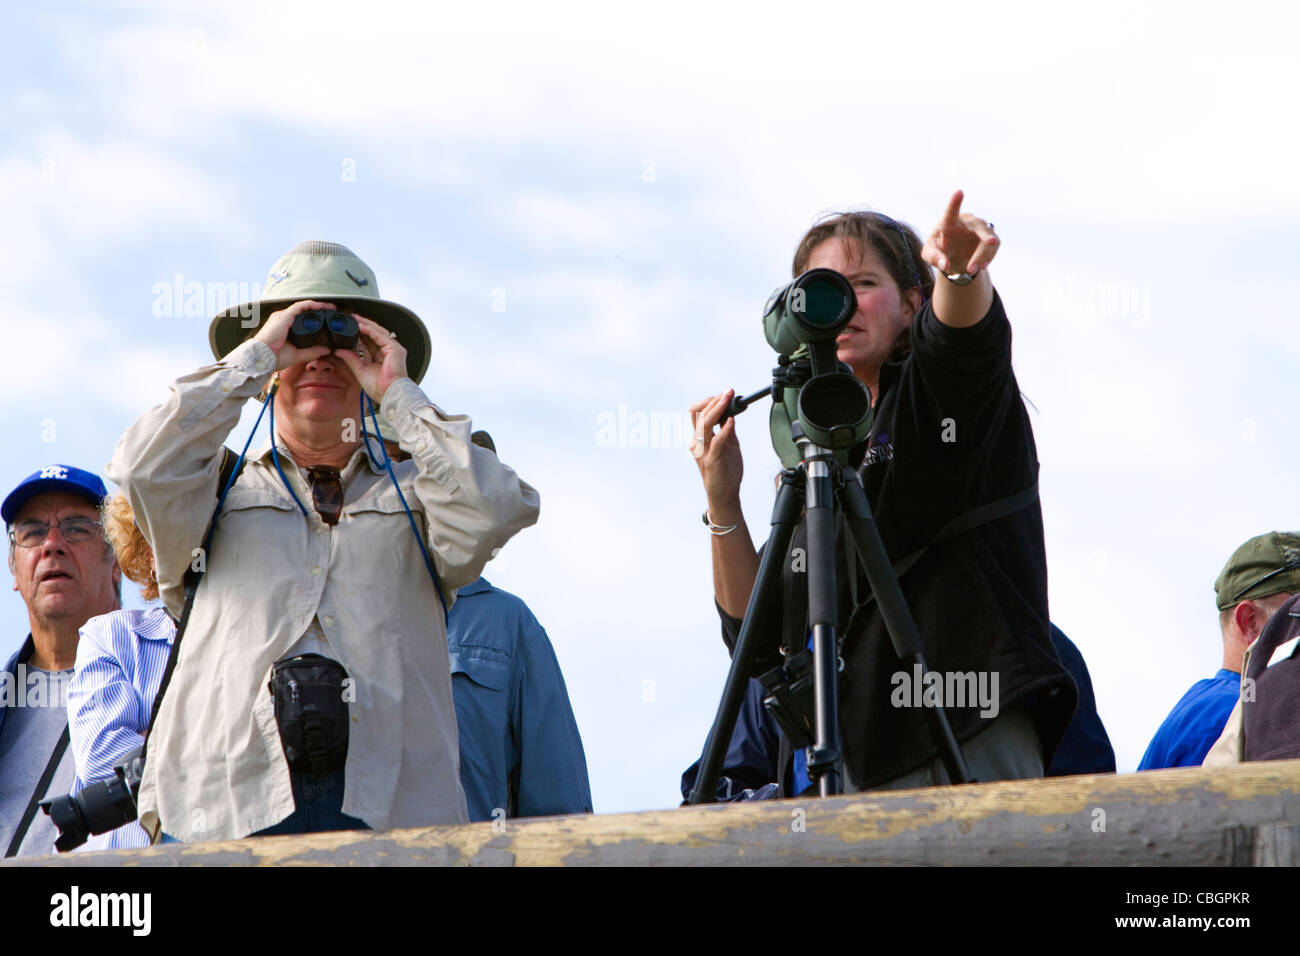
(487, 667)
(382, 502)
(376, 534)
(251, 499)
(257, 542)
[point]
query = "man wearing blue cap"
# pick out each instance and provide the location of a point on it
(66, 573)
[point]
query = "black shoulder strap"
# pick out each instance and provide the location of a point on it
(41, 786)
(192, 577)
(981, 514)
(966, 521)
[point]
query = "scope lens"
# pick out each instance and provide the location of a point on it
(339, 322)
(824, 303)
(310, 321)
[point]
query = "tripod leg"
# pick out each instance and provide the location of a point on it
(785, 515)
(824, 755)
(893, 609)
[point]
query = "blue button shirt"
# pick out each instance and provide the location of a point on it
(120, 662)
(1194, 724)
(520, 750)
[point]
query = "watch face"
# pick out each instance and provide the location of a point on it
(959, 278)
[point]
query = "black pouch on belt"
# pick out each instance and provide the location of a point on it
(311, 712)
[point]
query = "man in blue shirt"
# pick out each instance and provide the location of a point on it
(1267, 568)
(520, 752)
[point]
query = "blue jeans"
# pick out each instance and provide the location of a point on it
(319, 802)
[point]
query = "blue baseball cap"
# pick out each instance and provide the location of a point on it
(54, 478)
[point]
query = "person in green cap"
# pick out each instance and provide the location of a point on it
(1258, 579)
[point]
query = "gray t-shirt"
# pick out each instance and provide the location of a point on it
(35, 703)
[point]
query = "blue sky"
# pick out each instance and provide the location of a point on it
(589, 206)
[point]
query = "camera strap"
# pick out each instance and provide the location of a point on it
(231, 466)
(41, 786)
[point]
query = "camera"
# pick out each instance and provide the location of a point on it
(338, 329)
(98, 807)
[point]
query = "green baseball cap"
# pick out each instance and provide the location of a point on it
(1264, 565)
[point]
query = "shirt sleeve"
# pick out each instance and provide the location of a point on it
(964, 382)
(169, 461)
(552, 773)
(751, 757)
(473, 504)
(103, 706)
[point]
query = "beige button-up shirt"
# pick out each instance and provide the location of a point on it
(216, 769)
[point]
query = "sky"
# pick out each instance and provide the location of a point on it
(588, 205)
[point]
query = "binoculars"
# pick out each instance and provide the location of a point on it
(338, 329)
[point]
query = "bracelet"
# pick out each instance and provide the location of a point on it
(717, 529)
(959, 278)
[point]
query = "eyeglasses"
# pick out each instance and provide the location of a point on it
(327, 492)
(1272, 574)
(31, 534)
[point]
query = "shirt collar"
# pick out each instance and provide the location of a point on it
(263, 454)
(156, 625)
(475, 587)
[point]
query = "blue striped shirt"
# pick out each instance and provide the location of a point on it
(120, 663)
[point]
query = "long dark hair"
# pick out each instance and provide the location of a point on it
(897, 244)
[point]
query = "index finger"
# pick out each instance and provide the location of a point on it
(382, 337)
(709, 416)
(308, 305)
(294, 309)
(952, 214)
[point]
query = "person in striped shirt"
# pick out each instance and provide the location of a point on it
(120, 661)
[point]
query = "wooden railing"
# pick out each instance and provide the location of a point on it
(1248, 815)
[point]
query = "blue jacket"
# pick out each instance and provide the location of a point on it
(520, 750)
(1085, 746)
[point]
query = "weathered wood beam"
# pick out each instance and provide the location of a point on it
(1240, 816)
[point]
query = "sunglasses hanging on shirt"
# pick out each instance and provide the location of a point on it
(327, 492)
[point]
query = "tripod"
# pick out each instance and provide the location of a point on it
(824, 485)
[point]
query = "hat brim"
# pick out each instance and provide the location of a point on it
(234, 325)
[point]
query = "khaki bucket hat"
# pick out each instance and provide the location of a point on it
(327, 272)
